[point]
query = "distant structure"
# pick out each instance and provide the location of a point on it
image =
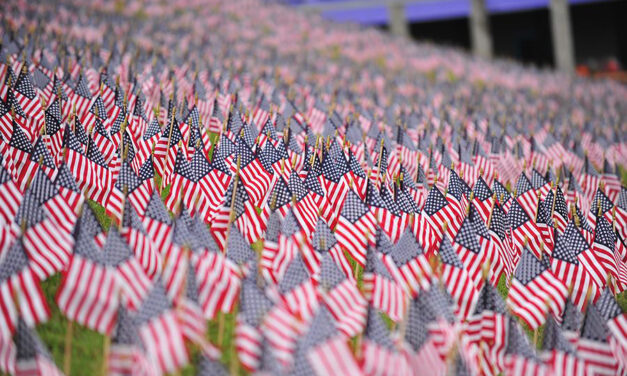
(399, 15)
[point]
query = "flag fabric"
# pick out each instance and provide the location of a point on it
(520, 357)
(558, 353)
(254, 305)
(593, 346)
(355, 227)
(457, 280)
(524, 230)
(160, 332)
(31, 355)
(90, 292)
(616, 321)
(408, 263)
(342, 297)
(575, 264)
(487, 326)
(535, 290)
(22, 297)
(382, 290)
(320, 351)
(379, 349)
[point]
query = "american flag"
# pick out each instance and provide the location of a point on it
(571, 322)
(131, 277)
(218, 282)
(385, 210)
(558, 353)
(593, 346)
(127, 354)
(524, 231)
(381, 288)
(169, 173)
(535, 291)
(157, 222)
(342, 297)
(575, 264)
(159, 331)
(28, 98)
(31, 355)
(189, 313)
(90, 291)
(355, 227)
(297, 290)
(473, 247)
(616, 321)
(321, 351)
(487, 327)
(18, 151)
(457, 280)
(22, 297)
(439, 211)
(333, 181)
(255, 178)
(408, 263)
(379, 350)
(253, 306)
(520, 357)
(47, 245)
(304, 203)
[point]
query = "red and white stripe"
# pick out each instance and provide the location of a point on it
(597, 356)
(333, 357)
(163, 340)
(133, 281)
(302, 301)
(39, 365)
(529, 302)
(89, 295)
(385, 295)
(24, 290)
(355, 237)
(348, 306)
(218, 283)
(459, 284)
(48, 248)
(248, 344)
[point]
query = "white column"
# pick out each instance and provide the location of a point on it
(480, 29)
(563, 51)
(398, 19)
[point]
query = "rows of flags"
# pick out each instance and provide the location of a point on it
(355, 201)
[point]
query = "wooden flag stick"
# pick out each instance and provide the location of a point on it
(233, 196)
(67, 355)
(105, 355)
(167, 150)
(379, 164)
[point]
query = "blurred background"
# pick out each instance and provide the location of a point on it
(586, 37)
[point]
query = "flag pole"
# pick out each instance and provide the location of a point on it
(379, 164)
(167, 150)
(67, 355)
(233, 196)
(105, 355)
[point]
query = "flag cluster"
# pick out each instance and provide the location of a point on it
(356, 202)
